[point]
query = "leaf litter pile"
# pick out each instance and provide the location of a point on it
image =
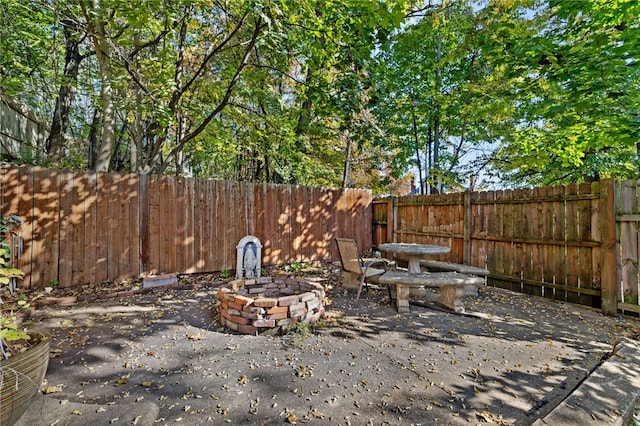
(369, 365)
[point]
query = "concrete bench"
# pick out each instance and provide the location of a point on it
(451, 285)
(436, 265)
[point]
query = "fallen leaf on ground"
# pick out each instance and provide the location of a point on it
(52, 389)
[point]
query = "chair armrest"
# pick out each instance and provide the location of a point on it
(373, 262)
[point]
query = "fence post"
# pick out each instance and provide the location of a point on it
(608, 258)
(392, 217)
(143, 199)
(467, 221)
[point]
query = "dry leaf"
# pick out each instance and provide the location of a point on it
(52, 389)
(293, 419)
(197, 336)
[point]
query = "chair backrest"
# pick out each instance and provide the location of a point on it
(349, 255)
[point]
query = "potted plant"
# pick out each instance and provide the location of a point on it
(24, 355)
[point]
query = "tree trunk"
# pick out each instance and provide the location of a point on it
(416, 140)
(103, 54)
(436, 184)
(346, 172)
(60, 121)
(94, 133)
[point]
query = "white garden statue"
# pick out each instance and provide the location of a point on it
(249, 257)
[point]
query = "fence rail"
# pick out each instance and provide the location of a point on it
(94, 227)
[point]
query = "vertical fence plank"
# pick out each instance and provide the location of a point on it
(114, 231)
(90, 226)
(199, 226)
(501, 226)
(154, 223)
(518, 233)
(572, 253)
(608, 259)
(218, 236)
(102, 230)
(144, 216)
(585, 278)
(66, 229)
(492, 217)
(297, 204)
(80, 194)
(210, 249)
(128, 228)
(548, 249)
(596, 236)
(25, 204)
(45, 227)
(479, 229)
(629, 244)
(536, 233)
(180, 231)
(559, 236)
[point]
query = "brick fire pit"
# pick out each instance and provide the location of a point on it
(251, 306)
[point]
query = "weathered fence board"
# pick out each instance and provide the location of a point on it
(95, 227)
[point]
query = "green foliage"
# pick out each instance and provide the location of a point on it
(294, 267)
(7, 272)
(225, 273)
(337, 93)
(9, 330)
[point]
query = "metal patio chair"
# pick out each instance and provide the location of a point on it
(365, 270)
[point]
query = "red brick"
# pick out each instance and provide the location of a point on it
(254, 310)
(277, 309)
(251, 315)
(232, 325)
(235, 318)
(286, 321)
(234, 305)
(288, 300)
(243, 300)
(247, 329)
(304, 297)
(298, 313)
(265, 302)
(265, 323)
(312, 304)
(297, 306)
(278, 315)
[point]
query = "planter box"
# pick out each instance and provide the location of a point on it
(21, 377)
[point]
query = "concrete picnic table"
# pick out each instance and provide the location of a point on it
(414, 252)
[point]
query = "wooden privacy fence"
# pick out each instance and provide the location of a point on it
(555, 242)
(93, 227)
